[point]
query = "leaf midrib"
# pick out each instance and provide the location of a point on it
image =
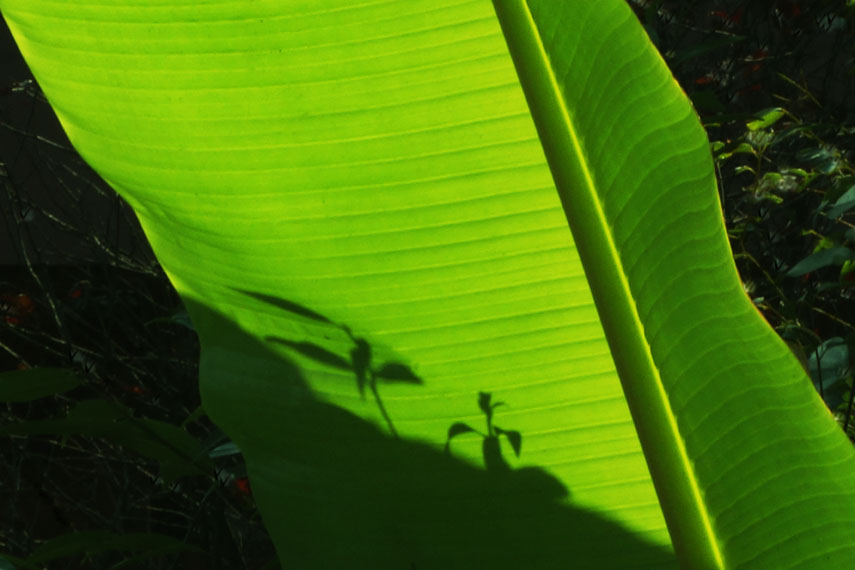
(671, 469)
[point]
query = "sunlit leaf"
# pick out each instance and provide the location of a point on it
(409, 170)
(766, 119)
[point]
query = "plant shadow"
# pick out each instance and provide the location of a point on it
(359, 359)
(335, 491)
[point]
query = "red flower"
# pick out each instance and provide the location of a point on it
(242, 485)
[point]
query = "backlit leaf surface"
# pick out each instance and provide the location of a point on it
(328, 181)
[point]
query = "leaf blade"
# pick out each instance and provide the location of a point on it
(660, 374)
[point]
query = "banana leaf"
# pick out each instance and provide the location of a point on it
(460, 277)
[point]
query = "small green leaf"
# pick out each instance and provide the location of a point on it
(769, 182)
(224, 450)
(741, 148)
(766, 119)
(843, 204)
(760, 139)
(27, 385)
(824, 243)
(832, 256)
(820, 158)
(775, 199)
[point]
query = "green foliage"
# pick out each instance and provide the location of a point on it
(32, 384)
(461, 290)
(786, 172)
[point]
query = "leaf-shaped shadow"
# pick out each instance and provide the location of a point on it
(336, 491)
(514, 437)
(491, 446)
(286, 305)
(360, 360)
(458, 428)
(315, 352)
(397, 372)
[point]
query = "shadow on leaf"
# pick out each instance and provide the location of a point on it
(490, 447)
(336, 491)
(360, 358)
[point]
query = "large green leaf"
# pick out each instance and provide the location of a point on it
(354, 201)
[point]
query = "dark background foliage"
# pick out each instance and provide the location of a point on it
(774, 84)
